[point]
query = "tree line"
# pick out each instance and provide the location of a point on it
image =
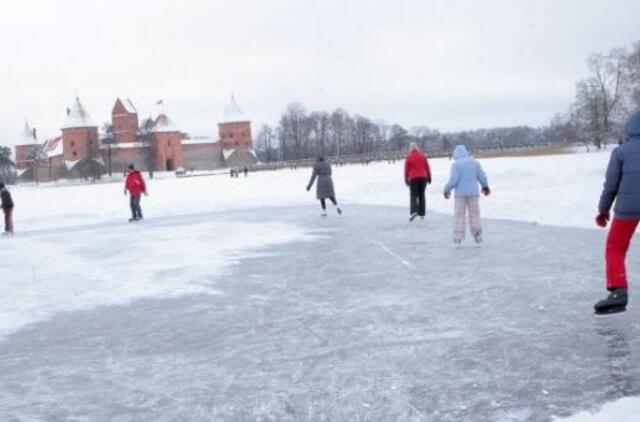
(603, 101)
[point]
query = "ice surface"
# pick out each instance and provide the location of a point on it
(337, 328)
(220, 306)
(52, 271)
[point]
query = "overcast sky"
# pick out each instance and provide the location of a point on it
(451, 65)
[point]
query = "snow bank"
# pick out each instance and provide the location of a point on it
(624, 410)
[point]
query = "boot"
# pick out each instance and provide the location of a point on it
(615, 302)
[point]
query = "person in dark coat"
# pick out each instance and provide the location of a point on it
(7, 209)
(417, 175)
(622, 185)
(136, 186)
(324, 187)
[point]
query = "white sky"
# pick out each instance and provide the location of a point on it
(452, 65)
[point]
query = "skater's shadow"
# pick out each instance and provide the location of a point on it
(619, 374)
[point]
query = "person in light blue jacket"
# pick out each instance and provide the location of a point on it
(466, 174)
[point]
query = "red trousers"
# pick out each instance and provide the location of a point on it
(618, 241)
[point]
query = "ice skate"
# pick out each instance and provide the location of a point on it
(614, 303)
(413, 216)
(478, 238)
(339, 211)
(323, 214)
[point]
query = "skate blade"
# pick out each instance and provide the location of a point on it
(612, 310)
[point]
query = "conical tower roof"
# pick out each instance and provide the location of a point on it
(164, 124)
(77, 116)
(233, 112)
(27, 137)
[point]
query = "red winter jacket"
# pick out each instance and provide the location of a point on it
(416, 166)
(135, 183)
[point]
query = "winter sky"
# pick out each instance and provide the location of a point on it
(452, 65)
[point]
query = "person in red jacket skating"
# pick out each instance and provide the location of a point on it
(136, 186)
(417, 175)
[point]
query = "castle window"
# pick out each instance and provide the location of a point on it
(169, 142)
(73, 143)
(231, 135)
(75, 153)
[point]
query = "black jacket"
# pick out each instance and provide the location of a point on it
(7, 202)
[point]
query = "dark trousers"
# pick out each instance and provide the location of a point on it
(323, 203)
(8, 219)
(417, 202)
(136, 211)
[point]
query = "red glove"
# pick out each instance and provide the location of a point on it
(601, 219)
(447, 195)
(486, 191)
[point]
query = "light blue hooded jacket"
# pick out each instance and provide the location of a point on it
(466, 173)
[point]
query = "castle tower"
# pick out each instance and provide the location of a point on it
(25, 147)
(124, 120)
(234, 130)
(167, 141)
(79, 134)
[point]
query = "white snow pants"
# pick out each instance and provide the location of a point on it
(461, 206)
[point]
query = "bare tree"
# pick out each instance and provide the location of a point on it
(108, 139)
(145, 136)
(264, 142)
(599, 97)
(6, 165)
(36, 157)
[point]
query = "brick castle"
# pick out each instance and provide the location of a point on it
(82, 150)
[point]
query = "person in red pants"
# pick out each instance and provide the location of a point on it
(622, 185)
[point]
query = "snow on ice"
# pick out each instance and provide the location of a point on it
(74, 251)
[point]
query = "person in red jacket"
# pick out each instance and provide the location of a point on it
(417, 175)
(136, 186)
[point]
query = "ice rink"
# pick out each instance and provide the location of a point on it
(358, 317)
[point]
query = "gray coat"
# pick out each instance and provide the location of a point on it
(622, 182)
(322, 171)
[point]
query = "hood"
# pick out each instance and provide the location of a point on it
(460, 151)
(632, 128)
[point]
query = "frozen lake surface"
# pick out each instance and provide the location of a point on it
(374, 319)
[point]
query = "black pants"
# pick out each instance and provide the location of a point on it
(323, 204)
(136, 211)
(417, 202)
